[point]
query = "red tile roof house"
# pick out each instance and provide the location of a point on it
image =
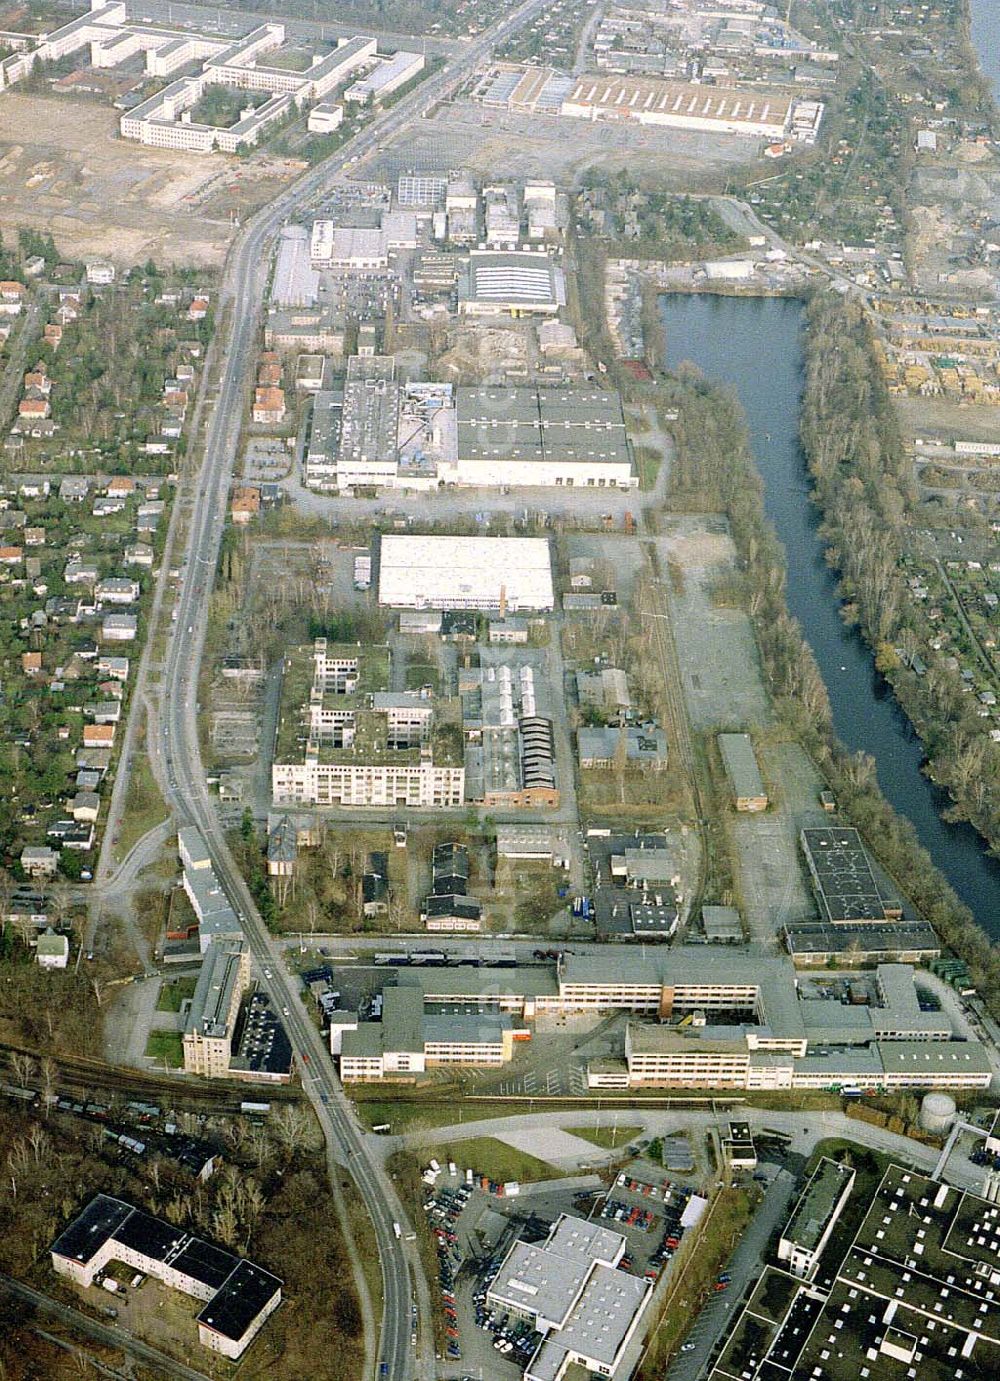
(98, 735)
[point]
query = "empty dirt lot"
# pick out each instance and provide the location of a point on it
(64, 169)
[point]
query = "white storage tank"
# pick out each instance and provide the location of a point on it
(937, 1112)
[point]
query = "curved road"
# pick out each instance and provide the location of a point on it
(242, 292)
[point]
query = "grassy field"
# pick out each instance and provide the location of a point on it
(173, 993)
(166, 1046)
(648, 461)
(608, 1138)
(144, 806)
(487, 1156)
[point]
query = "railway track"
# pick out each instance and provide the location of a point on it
(78, 1074)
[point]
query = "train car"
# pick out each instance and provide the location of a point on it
(397, 958)
(429, 958)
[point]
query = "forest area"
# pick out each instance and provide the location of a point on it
(268, 1199)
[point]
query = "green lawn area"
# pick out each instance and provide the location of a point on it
(144, 806)
(173, 993)
(487, 1156)
(166, 1046)
(648, 461)
(608, 1138)
(422, 674)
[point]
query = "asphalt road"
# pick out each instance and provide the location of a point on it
(243, 287)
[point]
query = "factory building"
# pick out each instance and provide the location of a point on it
(844, 883)
(424, 435)
(680, 105)
(352, 248)
(529, 436)
(238, 1295)
(515, 283)
(388, 76)
(343, 740)
(489, 573)
(510, 760)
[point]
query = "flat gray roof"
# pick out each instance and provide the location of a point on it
(817, 1203)
(741, 765)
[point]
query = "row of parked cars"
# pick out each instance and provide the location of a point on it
(628, 1215)
(443, 1209)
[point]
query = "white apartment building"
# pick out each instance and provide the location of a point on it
(238, 1295)
(367, 784)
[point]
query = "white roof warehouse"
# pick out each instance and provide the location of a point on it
(506, 573)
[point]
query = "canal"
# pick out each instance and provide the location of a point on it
(754, 345)
(985, 34)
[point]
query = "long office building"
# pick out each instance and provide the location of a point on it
(729, 1021)
(211, 1020)
(164, 120)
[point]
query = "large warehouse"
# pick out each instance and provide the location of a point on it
(530, 436)
(515, 283)
(506, 573)
(681, 105)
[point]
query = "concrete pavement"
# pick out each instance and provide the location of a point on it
(805, 1130)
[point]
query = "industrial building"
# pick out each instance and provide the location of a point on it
(238, 1296)
(680, 105)
(388, 76)
(515, 283)
(510, 742)
(448, 905)
(635, 747)
(846, 889)
(424, 435)
(910, 1295)
(569, 1288)
(815, 1216)
(354, 248)
(737, 1021)
(509, 574)
(342, 739)
(861, 942)
(295, 282)
(530, 436)
(407, 1041)
(746, 786)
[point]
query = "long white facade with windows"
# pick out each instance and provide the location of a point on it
(164, 121)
